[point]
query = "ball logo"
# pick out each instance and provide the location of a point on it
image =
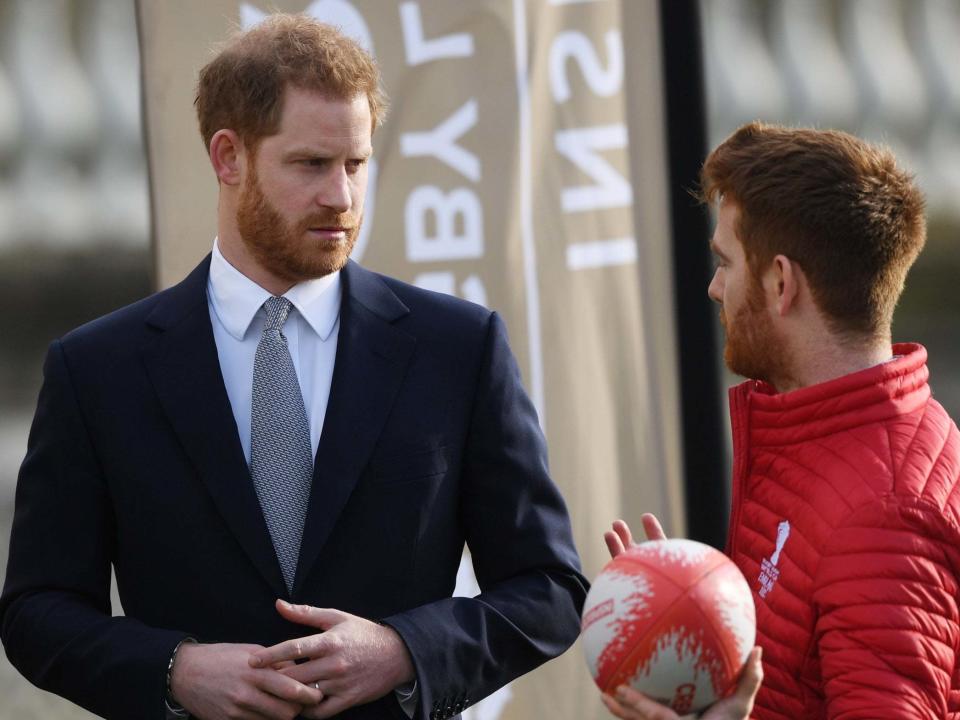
(672, 618)
(683, 699)
(598, 613)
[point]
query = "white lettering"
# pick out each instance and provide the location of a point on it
(576, 45)
(448, 242)
(580, 146)
(441, 142)
(419, 49)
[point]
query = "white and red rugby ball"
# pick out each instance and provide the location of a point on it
(672, 618)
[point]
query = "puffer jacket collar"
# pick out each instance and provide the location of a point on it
(875, 394)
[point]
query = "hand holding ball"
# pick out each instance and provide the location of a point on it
(674, 619)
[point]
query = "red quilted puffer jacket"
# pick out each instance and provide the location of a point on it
(846, 523)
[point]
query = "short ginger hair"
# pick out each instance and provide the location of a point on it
(242, 88)
(837, 205)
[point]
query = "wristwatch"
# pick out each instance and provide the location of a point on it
(173, 709)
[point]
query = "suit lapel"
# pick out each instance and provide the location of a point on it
(183, 365)
(372, 359)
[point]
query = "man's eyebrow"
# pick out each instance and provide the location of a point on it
(305, 153)
(315, 154)
(716, 250)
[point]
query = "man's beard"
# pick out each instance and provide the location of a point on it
(285, 249)
(754, 349)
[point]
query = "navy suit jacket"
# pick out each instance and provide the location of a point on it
(429, 441)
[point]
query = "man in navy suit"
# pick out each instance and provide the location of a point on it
(168, 435)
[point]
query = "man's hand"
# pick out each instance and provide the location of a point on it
(216, 682)
(631, 705)
(354, 661)
(620, 538)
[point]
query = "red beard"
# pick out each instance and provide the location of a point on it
(754, 349)
(285, 250)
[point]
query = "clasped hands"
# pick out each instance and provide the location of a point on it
(628, 704)
(353, 661)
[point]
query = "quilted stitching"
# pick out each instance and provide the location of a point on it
(862, 620)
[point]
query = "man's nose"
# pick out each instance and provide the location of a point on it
(335, 193)
(715, 290)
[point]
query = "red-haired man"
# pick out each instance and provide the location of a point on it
(846, 479)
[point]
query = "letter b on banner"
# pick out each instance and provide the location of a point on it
(457, 225)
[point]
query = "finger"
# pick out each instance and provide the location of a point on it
(312, 713)
(333, 705)
(622, 530)
(302, 694)
(253, 703)
(652, 527)
(622, 711)
(752, 676)
(614, 543)
(323, 618)
(295, 649)
(288, 689)
(642, 706)
(329, 675)
(326, 671)
(614, 707)
(271, 707)
(266, 706)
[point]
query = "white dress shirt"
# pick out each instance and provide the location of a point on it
(237, 315)
(311, 329)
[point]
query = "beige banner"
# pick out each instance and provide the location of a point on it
(522, 167)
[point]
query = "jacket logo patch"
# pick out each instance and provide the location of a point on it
(769, 573)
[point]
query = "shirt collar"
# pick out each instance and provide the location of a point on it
(236, 298)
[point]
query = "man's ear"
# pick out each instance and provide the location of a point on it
(227, 155)
(787, 278)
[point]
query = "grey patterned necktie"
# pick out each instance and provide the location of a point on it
(281, 462)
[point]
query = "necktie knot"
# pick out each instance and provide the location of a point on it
(278, 308)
